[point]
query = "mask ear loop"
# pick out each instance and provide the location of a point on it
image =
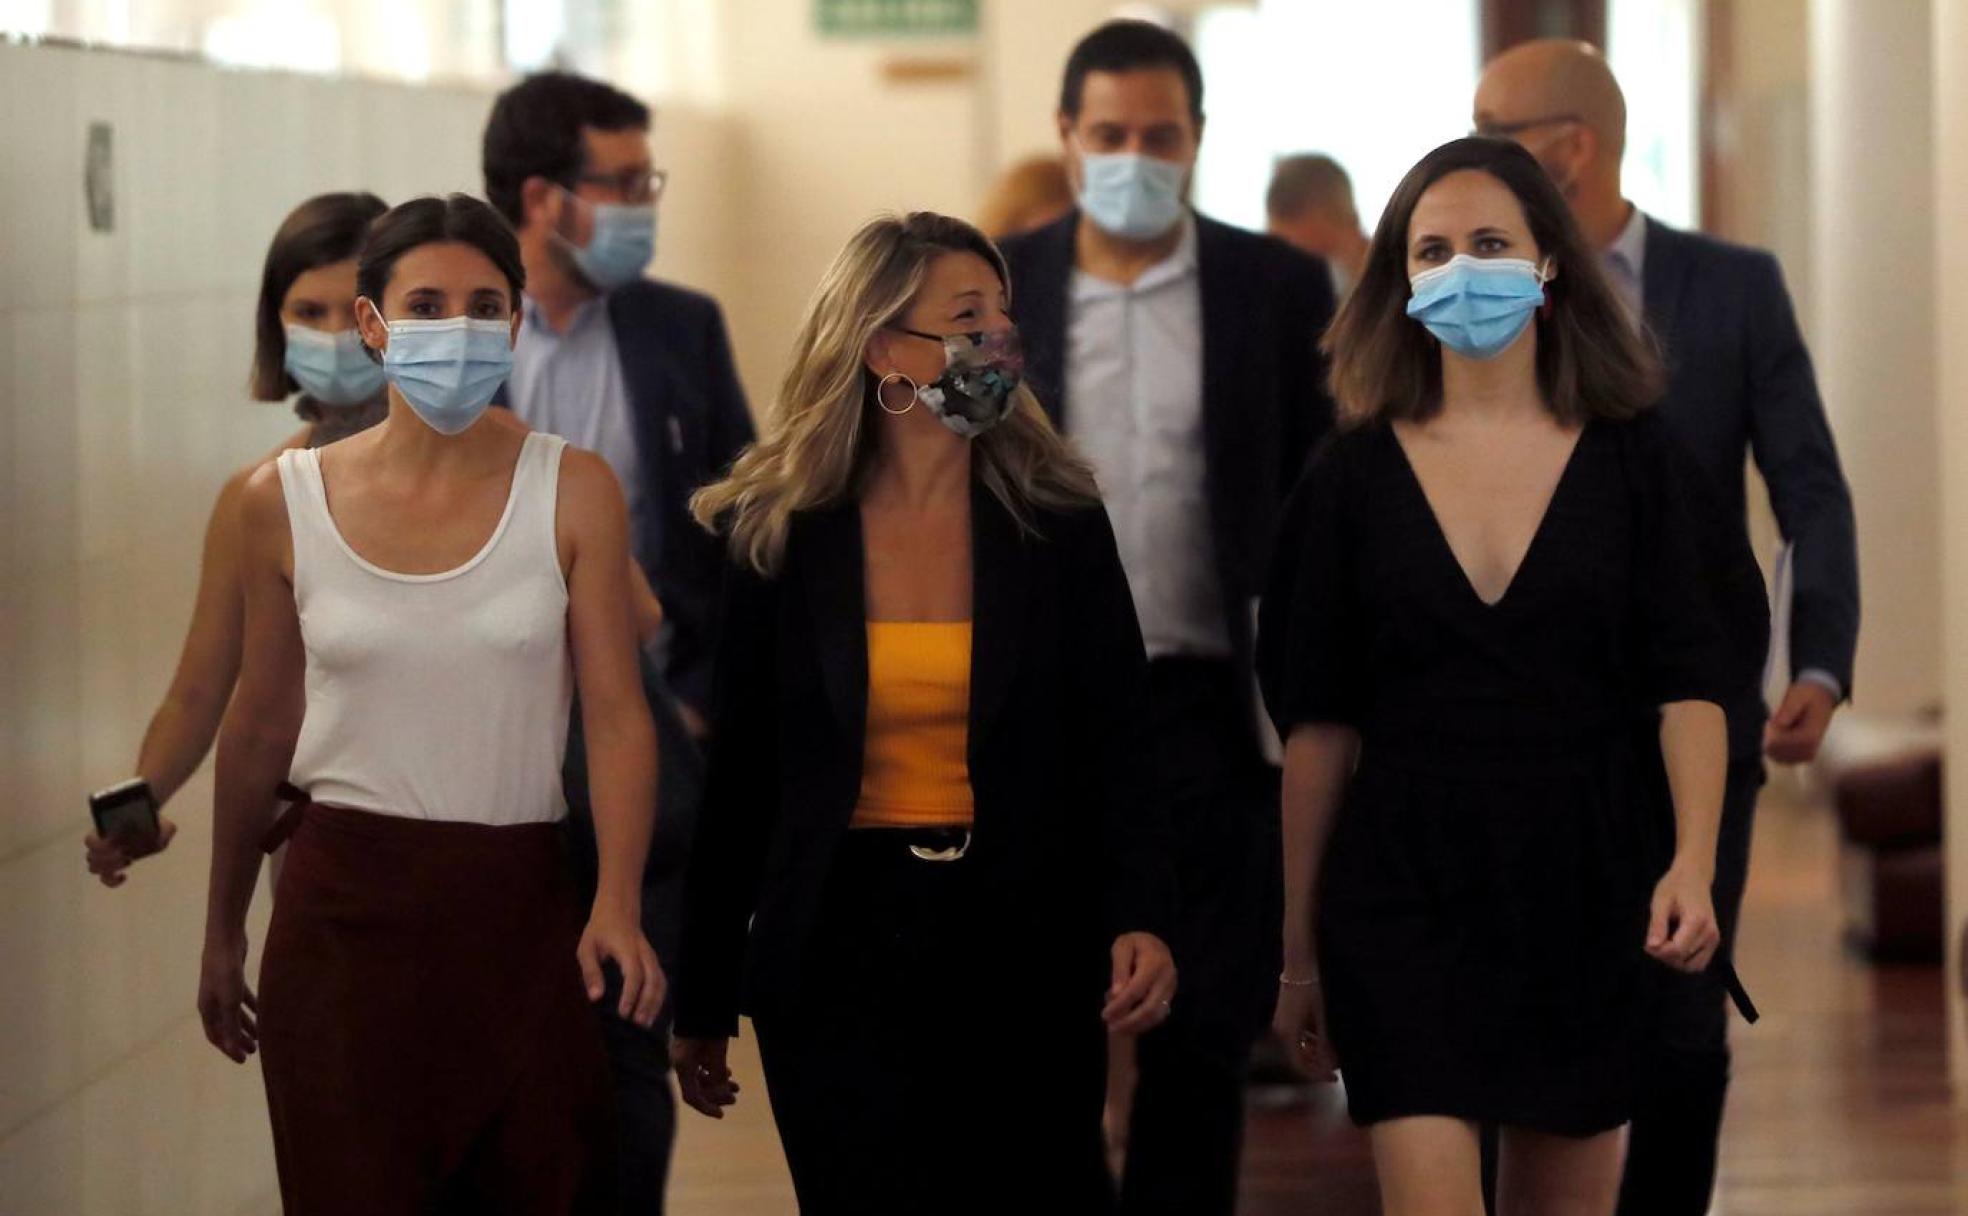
(883, 403)
(375, 352)
(1544, 284)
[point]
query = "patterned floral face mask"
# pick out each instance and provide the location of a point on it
(981, 371)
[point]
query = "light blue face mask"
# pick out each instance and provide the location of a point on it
(334, 369)
(1131, 196)
(1477, 306)
(449, 369)
(621, 247)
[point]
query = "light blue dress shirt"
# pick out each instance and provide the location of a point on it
(1134, 405)
(570, 384)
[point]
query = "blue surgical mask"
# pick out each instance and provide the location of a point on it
(334, 369)
(621, 247)
(1131, 196)
(449, 369)
(1477, 306)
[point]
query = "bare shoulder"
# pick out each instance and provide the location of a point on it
(262, 502)
(588, 489)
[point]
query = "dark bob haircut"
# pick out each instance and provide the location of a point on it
(1592, 361)
(1130, 46)
(325, 229)
(430, 221)
(535, 131)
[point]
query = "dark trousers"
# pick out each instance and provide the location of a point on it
(1684, 1067)
(1677, 1120)
(425, 1042)
(1186, 1132)
(929, 1064)
(645, 1105)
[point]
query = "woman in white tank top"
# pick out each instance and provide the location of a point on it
(438, 587)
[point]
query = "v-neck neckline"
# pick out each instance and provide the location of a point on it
(1442, 535)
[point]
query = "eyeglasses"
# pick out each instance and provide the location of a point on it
(974, 337)
(630, 185)
(1504, 130)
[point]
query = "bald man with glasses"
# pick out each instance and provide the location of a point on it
(1740, 387)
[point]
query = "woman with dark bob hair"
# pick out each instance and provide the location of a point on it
(1487, 578)
(305, 347)
(422, 601)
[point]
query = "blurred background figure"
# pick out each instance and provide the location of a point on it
(1181, 354)
(641, 372)
(1031, 194)
(1310, 205)
(305, 347)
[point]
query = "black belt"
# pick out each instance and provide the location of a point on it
(1738, 994)
(924, 844)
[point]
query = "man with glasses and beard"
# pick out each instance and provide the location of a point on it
(640, 372)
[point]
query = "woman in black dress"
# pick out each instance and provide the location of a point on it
(1487, 580)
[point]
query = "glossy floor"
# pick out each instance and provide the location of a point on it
(1840, 1103)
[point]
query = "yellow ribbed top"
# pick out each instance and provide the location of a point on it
(914, 771)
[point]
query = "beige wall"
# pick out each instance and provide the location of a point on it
(1873, 187)
(1950, 202)
(122, 363)
(1765, 138)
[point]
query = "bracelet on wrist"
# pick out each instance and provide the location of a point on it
(1289, 982)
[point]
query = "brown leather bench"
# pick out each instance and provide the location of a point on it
(1885, 781)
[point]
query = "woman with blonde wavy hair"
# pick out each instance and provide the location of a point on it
(928, 866)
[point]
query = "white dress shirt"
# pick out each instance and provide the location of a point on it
(1134, 404)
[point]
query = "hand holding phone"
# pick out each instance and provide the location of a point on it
(128, 827)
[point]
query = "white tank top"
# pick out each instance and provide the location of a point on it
(435, 696)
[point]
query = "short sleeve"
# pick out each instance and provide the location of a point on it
(1309, 647)
(1679, 576)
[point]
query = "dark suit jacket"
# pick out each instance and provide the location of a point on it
(1071, 842)
(1740, 381)
(1265, 306)
(691, 423)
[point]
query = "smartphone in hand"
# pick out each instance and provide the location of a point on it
(127, 813)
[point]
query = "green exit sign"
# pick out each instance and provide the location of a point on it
(891, 18)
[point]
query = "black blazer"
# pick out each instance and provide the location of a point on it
(1071, 842)
(691, 422)
(1740, 381)
(1265, 307)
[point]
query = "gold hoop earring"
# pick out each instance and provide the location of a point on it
(913, 390)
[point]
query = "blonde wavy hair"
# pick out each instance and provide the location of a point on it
(817, 441)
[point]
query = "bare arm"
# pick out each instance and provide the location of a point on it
(256, 746)
(647, 608)
(621, 736)
(1695, 746)
(1319, 759)
(187, 720)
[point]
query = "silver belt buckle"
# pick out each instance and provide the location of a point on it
(922, 853)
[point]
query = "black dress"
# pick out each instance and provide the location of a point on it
(1484, 898)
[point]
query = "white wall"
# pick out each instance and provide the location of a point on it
(123, 361)
(1873, 172)
(1950, 200)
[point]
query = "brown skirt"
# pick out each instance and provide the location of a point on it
(424, 1036)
